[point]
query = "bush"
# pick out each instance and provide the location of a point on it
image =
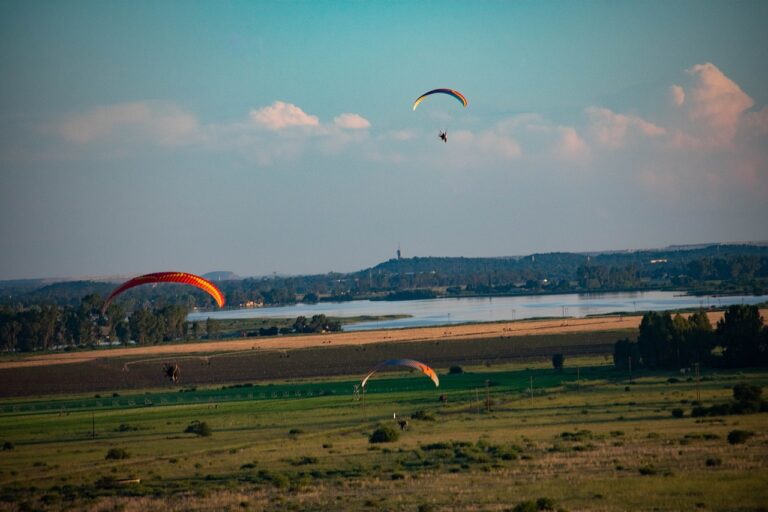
(535, 506)
(739, 436)
(200, 428)
(650, 469)
(384, 434)
(117, 454)
(437, 446)
(678, 413)
(106, 482)
(423, 416)
(747, 393)
(545, 504)
(8, 446)
(276, 478)
(455, 370)
(714, 461)
(526, 506)
(305, 460)
(558, 360)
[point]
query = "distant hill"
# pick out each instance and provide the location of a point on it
(221, 275)
(714, 268)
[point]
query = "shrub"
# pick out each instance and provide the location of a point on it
(305, 460)
(526, 506)
(535, 506)
(649, 469)
(106, 482)
(580, 435)
(384, 434)
(295, 432)
(747, 393)
(678, 413)
(714, 461)
(199, 428)
(117, 453)
(455, 370)
(442, 445)
(277, 479)
(423, 416)
(545, 504)
(558, 360)
(739, 436)
(8, 446)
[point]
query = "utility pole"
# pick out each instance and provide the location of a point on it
(698, 392)
(365, 412)
(530, 387)
(578, 378)
(487, 396)
(93, 425)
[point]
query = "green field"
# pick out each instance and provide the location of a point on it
(598, 443)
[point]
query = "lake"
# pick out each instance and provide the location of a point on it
(448, 311)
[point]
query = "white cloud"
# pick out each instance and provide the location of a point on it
(161, 121)
(351, 122)
(401, 135)
(571, 145)
(677, 94)
(756, 123)
(281, 115)
(615, 130)
(716, 104)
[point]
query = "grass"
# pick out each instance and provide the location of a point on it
(592, 447)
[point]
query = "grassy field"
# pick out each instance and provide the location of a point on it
(596, 443)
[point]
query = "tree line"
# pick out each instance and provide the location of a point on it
(54, 327)
(715, 269)
(740, 339)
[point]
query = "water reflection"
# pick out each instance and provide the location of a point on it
(449, 311)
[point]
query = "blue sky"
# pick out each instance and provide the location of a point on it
(264, 137)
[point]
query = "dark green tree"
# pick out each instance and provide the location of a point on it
(740, 333)
(146, 327)
(626, 352)
(123, 332)
(212, 328)
(655, 339)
